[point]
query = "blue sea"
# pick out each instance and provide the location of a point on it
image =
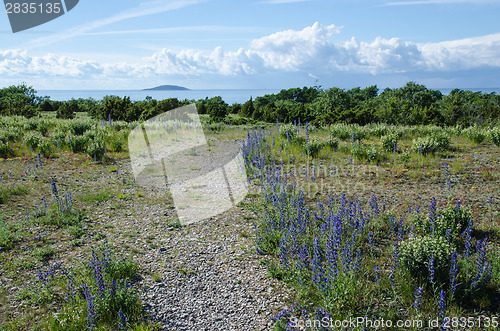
(229, 96)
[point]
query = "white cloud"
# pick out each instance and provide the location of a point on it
(462, 54)
(312, 52)
(17, 63)
(292, 50)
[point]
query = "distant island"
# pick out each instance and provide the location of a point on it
(167, 88)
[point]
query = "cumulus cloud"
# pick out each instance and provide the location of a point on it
(312, 51)
(18, 63)
(463, 54)
(293, 50)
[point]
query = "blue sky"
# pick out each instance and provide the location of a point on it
(219, 44)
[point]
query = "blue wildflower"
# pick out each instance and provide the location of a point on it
(418, 298)
(54, 187)
(442, 308)
(430, 268)
(453, 272)
(122, 320)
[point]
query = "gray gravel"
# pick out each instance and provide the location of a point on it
(202, 276)
(212, 280)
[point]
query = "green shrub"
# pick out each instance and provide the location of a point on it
(79, 127)
(340, 131)
(333, 143)
(42, 127)
(449, 223)
(32, 139)
(372, 154)
(494, 135)
(452, 222)
(76, 143)
(415, 253)
(442, 140)
(379, 130)
(11, 134)
(45, 147)
(475, 134)
(234, 119)
(425, 145)
(359, 150)
(91, 134)
(287, 131)
(116, 143)
(30, 125)
(96, 149)
(68, 109)
(58, 134)
(5, 150)
(388, 141)
(299, 140)
(313, 147)
(348, 132)
(405, 156)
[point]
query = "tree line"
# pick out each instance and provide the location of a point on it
(412, 104)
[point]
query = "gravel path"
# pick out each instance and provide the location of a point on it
(211, 280)
(202, 276)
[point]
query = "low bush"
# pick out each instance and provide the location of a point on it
(448, 223)
(416, 254)
(100, 297)
(5, 150)
(77, 143)
(79, 127)
(287, 131)
(313, 147)
(475, 134)
(32, 139)
(333, 143)
(389, 141)
(372, 154)
(46, 147)
(494, 135)
(428, 145)
(96, 149)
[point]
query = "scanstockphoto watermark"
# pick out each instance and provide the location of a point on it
(26, 14)
(170, 152)
(451, 323)
(354, 322)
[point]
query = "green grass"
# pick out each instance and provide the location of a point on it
(9, 235)
(76, 231)
(43, 253)
(351, 290)
(116, 296)
(15, 190)
(403, 182)
(97, 197)
(62, 219)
